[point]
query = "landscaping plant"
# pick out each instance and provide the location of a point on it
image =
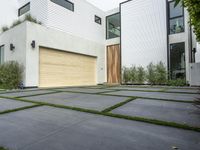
(2, 148)
(133, 74)
(161, 73)
(126, 75)
(17, 22)
(141, 74)
(193, 8)
(151, 74)
(11, 74)
(5, 28)
(177, 82)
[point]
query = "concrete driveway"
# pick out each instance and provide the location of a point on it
(100, 117)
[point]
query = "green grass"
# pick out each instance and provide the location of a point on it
(18, 109)
(105, 113)
(48, 93)
(118, 105)
(2, 148)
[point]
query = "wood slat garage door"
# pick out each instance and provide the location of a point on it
(59, 68)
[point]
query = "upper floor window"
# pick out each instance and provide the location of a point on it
(113, 26)
(97, 19)
(65, 3)
(24, 9)
(176, 18)
(1, 54)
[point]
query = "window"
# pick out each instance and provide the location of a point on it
(177, 61)
(24, 9)
(64, 3)
(113, 26)
(176, 18)
(97, 19)
(1, 54)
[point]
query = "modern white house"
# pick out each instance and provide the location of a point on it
(79, 44)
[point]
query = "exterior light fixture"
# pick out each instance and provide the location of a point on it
(33, 44)
(12, 47)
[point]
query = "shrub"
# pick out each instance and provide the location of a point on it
(151, 73)
(140, 75)
(161, 73)
(177, 82)
(126, 75)
(31, 19)
(11, 74)
(133, 74)
(15, 23)
(2, 148)
(5, 28)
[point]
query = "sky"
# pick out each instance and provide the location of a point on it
(106, 4)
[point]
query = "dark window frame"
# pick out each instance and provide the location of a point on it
(65, 7)
(97, 18)
(172, 18)
(107, 23)
(169, 58)
(23, 7)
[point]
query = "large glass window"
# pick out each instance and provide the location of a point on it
(1, 54)
(176, 18)
(177, 61)
(24, 9)
(113, 26)
(65, 3)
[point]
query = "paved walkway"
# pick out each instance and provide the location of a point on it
(100, 118)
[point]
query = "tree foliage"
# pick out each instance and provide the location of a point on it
(193, 8)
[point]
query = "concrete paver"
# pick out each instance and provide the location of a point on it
(6, 104)
(85, 90)
(26, 93)
(183, 113)
(49, 128)
(87, 101)
(159, 95)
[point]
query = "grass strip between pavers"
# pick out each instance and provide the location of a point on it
(48, 93)
(170, 100)
(16, 91)
(119, 105)
(133, 118)
(110, 94)
(159, 91)
(18, 109)
(2, 148)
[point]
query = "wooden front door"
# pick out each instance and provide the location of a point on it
(113, 64)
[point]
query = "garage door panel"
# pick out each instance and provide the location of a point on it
(58, 68)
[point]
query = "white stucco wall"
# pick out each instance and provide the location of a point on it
(195, 73)
(144, 32)
(16, 36)
(198, 52)
(51, 38)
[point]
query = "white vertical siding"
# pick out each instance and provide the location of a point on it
(80, 22)
(144, 32)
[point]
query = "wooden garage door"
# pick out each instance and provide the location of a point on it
(59, 68)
